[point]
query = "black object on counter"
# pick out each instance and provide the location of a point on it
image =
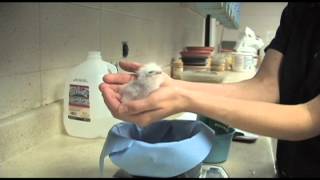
(241, 137)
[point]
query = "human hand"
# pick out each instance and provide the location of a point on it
(161, 103)
(113, 83)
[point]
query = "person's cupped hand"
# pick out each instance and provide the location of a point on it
(160, 103)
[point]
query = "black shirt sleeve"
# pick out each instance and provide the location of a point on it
(281, 39)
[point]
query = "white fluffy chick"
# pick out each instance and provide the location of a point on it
(149, 78)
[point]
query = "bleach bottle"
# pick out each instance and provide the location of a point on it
(85, 113)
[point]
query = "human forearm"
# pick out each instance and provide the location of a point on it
(290, 122)
(252, 89)
(262, 87)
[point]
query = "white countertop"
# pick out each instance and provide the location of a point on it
(65, 156)
(60, 156)
(216, 77)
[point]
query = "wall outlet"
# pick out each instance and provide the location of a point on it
(125, 49)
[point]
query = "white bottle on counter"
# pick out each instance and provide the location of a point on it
(85, 113)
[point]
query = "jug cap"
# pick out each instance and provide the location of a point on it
(94, 55)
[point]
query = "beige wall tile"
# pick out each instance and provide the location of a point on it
(91, 5)
(161, 42)
(259, 8)
(116, 28)
(159, 36)
(189, 18)
(19, 93)
(193, 37)
(52, 82)
(255, 22)
(68, 32)
(19, 34)
(21, 132)
(156, 39)
(153, 11)
(126, 8)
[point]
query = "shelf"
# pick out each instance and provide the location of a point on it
(227, 13)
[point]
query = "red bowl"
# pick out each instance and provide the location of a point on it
(199, 48)
(200, 51)
(195, 54)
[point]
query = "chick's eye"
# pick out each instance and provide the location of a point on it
(151, 72)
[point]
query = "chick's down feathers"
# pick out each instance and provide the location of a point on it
(149, 78)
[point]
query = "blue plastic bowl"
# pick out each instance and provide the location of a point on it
(165, 148)
(221, 142)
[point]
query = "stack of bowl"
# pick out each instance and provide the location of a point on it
(197, 58)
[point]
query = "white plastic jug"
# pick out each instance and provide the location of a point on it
(85, 113)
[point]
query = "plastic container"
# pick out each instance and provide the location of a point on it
(229, 58)
(202, 76)
(176, 68)
(85, 113)
(244, 62)
(222, 141)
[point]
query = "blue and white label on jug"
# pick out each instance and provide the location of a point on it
(79, 105)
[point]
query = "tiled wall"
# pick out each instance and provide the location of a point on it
(40, 42)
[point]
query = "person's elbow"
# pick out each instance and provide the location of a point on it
(308, 125)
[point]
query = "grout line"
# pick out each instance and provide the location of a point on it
(17, 117)
(83, 5)
(40, 52)
(191, 10)
(104, 10)
(33, 72)
(100, 30)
